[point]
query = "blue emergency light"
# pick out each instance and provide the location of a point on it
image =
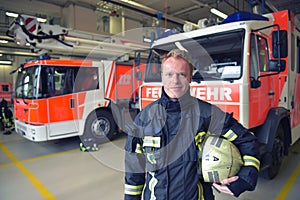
(243, 16)
(44, 57)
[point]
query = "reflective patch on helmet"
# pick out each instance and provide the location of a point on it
(219, 142)
(213, 177)
(216, 141)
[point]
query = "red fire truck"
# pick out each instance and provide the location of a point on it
(247, 65)
(6, 92)
(63, 98)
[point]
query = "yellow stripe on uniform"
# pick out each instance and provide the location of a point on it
(35, 182)
(199, 137)
(230, 135)
(251, 161)
(133, 189)
(139, 149)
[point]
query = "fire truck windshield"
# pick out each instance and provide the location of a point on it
(26, 83)
(215, 57)
(43, 81)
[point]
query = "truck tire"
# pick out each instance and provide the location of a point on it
(277, 155)
(100, 127)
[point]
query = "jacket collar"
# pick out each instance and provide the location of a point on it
(176, 104)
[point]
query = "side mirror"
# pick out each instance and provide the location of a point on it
(276, 65)
(138, 75)
(279, 44)
(138, 59)
(255, 83)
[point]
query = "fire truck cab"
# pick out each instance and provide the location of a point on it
(56, 99)
(247, 65)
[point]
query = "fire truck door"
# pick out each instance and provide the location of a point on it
(262, 88)
(62, 107)
(63, 115)
(293, 86)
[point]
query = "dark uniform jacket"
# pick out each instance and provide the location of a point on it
(163, 144)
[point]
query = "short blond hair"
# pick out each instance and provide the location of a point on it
(181, 54)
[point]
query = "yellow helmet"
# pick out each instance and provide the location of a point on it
(220, 159)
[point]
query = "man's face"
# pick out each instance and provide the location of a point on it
(176, 77)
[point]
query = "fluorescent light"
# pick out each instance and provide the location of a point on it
(5, 62)
(148, 40)
(218, 13)
(10, 14)
(41, 19)
(3, 41)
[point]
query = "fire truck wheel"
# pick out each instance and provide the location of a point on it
(277, 155)
(100, 127)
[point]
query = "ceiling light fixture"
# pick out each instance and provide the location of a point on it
(218, 13)
(3, 41)
(10, 14)
(15, 15)
(42, 20)
(5, 62)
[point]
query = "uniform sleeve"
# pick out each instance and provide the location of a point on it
(134, 166)
(247, 144)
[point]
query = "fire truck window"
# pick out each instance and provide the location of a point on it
(153, 70)
(253, 58)
(59, 78)
(293, 62)
(70, 79)
(263, 53)
(4, 88)
(29, 84)
(86, 79)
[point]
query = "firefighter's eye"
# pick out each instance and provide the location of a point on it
(169, 75)
(181, 75)
(178, 75)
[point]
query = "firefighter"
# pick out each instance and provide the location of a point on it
(88, 145)
(6, 117)
(165, 142)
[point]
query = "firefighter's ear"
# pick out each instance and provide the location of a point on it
(189, 79)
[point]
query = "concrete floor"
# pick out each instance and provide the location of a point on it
(58, 170)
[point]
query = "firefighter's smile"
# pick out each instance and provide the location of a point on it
(176, 88)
